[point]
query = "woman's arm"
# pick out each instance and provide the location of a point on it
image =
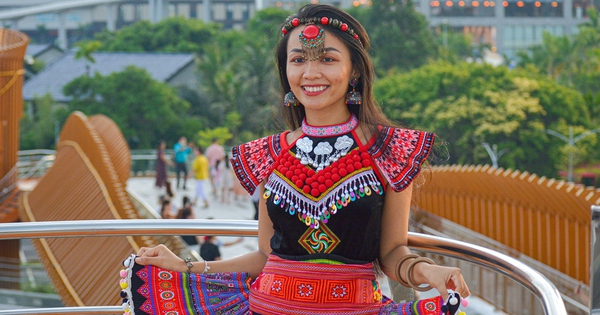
(394, 240)
(253, 262)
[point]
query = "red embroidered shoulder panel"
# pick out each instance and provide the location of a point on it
(252, 161)
(399, 154)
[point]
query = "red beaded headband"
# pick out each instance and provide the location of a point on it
(324, 21)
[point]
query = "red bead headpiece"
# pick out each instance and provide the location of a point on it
(323, 21)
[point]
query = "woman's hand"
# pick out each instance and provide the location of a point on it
(160, 256)
(441, 278)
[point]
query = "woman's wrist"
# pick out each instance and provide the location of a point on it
(194, 266)
(419, 270)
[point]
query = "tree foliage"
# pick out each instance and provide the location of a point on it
(37, 127)
(145, 110)
(469, 104)
(175, 34)
(399, 35)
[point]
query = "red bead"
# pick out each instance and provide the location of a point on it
(295, 178)
(298, 183)
(324, 20)
(321, 179)
(350, 168)
(310, 32)
(295, 22)
(327, 175)
(289, 174)
(343, 172)
(291, 158)
(306, 189)
(302, 176)
(335, 177)
(344, 27)
(356, 36)
(329, 183)
(342, 166)
(287, 164)
(309, 180)
(297, 171)
(364, 155)
(357, 165)
(314, 185)
(322, 188)
(335, 170)
(356, 158)
(284, 31)
(366, 163)
(315, 192)
(311, 172)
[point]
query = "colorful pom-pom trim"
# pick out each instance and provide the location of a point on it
(124, 284)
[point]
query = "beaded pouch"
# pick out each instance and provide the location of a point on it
(148, 290)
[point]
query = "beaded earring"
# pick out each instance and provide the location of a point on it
(290, 99)
(353, 97)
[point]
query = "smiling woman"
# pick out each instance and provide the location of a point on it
(336, 191)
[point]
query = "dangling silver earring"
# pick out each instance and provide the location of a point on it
(353, 97)
(290, 100)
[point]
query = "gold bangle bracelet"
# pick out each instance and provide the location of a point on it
(409, 272)
(399, 267)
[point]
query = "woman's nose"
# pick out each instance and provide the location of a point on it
(312, 70)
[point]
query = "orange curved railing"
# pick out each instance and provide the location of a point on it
(545, 219)
(85, 182)
(12, 51)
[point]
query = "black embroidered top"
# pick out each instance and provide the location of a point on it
(323, 193)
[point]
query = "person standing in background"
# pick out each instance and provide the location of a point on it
(161, 165)
(182, 150)
(225, 179)
(201, 170)
(214, 153)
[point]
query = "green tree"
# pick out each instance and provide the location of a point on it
(86, 49)
(175, 34)
(144, 109)
(37, 127)
(467, 104)
(399, 35)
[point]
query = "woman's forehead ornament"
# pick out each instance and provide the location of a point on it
(312, 40)
(335, 23)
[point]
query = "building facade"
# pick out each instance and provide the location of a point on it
(506, 25)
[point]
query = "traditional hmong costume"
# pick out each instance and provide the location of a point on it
(324, 195)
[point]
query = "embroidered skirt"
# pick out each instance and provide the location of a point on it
(283, 288)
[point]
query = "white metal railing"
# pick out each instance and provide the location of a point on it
(535, 282)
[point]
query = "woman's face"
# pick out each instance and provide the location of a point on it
(319, 84)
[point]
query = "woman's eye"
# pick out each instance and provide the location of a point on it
(297, 60)
(328, 59)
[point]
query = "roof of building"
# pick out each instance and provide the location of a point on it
(161, 66)
(36, 49)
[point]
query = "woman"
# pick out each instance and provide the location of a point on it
(336, 187)
(225, 181)
(166, 209)
(161, 165)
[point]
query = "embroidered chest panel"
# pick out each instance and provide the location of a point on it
(317, 177)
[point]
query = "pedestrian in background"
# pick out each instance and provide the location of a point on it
(201, 174)
(161, 165)
(182, 151)
(214, 153)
